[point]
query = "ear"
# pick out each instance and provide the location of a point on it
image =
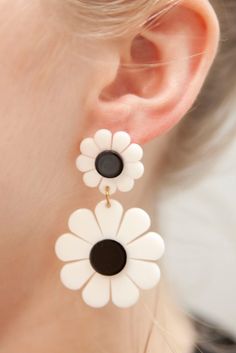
(149, 101)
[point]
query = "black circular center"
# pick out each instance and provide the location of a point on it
(109, 164)
(108, 257)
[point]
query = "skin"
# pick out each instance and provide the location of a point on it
(48, 104)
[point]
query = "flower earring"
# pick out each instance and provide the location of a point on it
(110, 254)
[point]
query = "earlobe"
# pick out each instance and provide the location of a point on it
(161, 72)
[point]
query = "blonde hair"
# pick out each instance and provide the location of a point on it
(111, 19)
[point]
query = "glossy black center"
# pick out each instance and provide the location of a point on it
(108, 257)
(109, 164)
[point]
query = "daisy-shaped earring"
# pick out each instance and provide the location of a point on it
(109, 253)
(110, 161)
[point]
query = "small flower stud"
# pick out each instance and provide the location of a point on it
(110, 160)
(110, 254)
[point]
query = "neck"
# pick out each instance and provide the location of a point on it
(55, 320)
(36, 310)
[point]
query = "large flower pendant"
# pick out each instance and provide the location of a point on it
(110, 254)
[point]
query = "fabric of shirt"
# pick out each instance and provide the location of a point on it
(213, 339)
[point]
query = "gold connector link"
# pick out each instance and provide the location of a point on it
(108, 196)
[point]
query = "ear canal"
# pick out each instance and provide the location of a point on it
(137, 74)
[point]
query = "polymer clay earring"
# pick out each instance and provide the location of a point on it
(109, 253)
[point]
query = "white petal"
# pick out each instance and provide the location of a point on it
(92, 178)
(84, 163)
(135, 222)
(109, 217)
(120, 141)
(68, 247)
(89, 148)
(125, 183)
(74, 275)
(107, 182)
(123, 291)
(97, 291)
(133, 153)
(145, 275)
(83, 223)
(103, 139)
(134, 170)
(148, 247)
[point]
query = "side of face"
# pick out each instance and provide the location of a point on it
(44, 87)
